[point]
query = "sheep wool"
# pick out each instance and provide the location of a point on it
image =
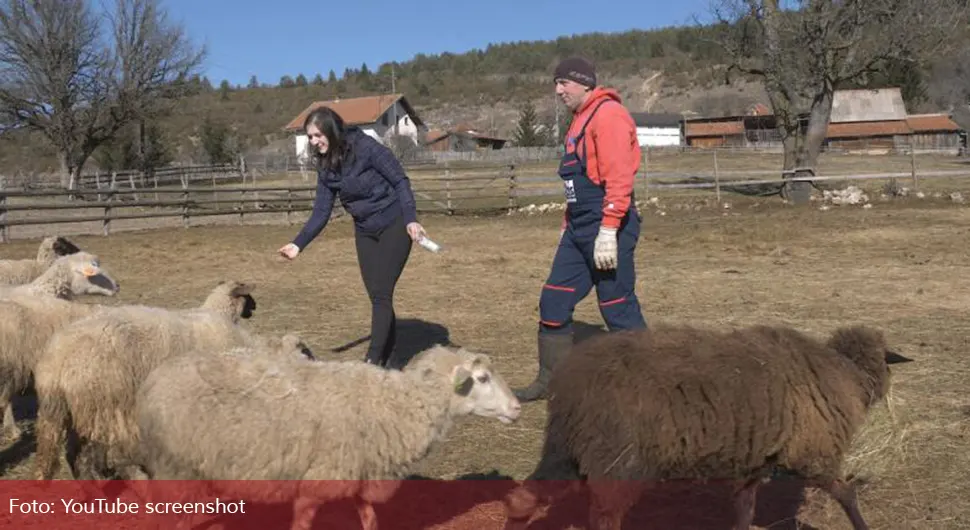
(88, 374)
(30, 314)
(21, 271)
(26, 324)
(227, 416)
(678, 402)
(67, 277)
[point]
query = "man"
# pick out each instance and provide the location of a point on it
(601, 226)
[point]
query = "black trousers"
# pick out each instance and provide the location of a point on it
(382, 257)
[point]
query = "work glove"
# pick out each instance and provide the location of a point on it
(604, 249)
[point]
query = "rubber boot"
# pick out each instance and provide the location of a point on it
(553, 347)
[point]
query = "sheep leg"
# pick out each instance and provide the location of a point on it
(844, 493)
(10, 429)
(304, 509)
(610, 500)
(367, 514)
(91, 461)
(744, 503)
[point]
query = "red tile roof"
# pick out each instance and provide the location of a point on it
(717, 128)
(858, 129)
(931, 122)
(354, 111)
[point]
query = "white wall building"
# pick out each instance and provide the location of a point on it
(658, 129)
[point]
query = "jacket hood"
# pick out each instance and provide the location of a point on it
(599, 94)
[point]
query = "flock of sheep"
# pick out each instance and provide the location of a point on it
(140, 392)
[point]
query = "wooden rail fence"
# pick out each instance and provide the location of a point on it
(449, 191)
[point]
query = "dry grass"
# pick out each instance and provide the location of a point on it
(897, 265)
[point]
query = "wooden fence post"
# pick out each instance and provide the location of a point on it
(4, 236)
(912, 164)
(185, 202)
(717, 181)
(448, 205)
(646, 179)
(289, 205)
(513, 196)
(106, 221)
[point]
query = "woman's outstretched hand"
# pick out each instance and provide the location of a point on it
(289, 251)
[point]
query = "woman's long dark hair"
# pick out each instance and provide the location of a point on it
(332, 126)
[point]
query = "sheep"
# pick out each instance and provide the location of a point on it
(293, 345)
(21, 271)
(221, 417)
(31, 313)
(678, 402)
(88, 374)
(68, 276)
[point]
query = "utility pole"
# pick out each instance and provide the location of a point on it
(555, 127)
(397, 130)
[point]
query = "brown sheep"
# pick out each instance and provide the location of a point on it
(678, 402)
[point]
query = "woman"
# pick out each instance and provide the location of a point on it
(376, 192)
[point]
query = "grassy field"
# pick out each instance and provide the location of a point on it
(897, 265)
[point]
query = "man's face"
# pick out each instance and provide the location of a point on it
(571, 93)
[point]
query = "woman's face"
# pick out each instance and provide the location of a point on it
(317, 138)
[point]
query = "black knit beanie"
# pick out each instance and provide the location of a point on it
(576, 69)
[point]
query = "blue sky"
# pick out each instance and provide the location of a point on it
(270, 38)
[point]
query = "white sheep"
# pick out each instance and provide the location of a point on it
(88, 374)
(30, 314)
(349, 429)
(21, 271)
(68, 276)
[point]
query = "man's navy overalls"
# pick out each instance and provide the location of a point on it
(574, 272)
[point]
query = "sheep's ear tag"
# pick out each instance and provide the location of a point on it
(89, 270)
(463, 382)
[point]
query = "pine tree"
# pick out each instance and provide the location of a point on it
(526, 132)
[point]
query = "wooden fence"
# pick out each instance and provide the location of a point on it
(465, 189)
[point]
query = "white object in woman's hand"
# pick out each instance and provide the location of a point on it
(289, 251)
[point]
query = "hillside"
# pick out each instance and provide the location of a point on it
(676, 69)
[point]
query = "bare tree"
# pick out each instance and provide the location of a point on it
(804, 53)
(67, 77)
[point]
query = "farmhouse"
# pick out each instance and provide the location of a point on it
(655, 129)
(462, 138)
(380, 116)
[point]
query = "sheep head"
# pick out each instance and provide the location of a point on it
(54, 247)
(232, 299)
(477, 388)
(292, 345)
(866, 347)
(76, 274)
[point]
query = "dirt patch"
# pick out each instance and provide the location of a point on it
(897, 266)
